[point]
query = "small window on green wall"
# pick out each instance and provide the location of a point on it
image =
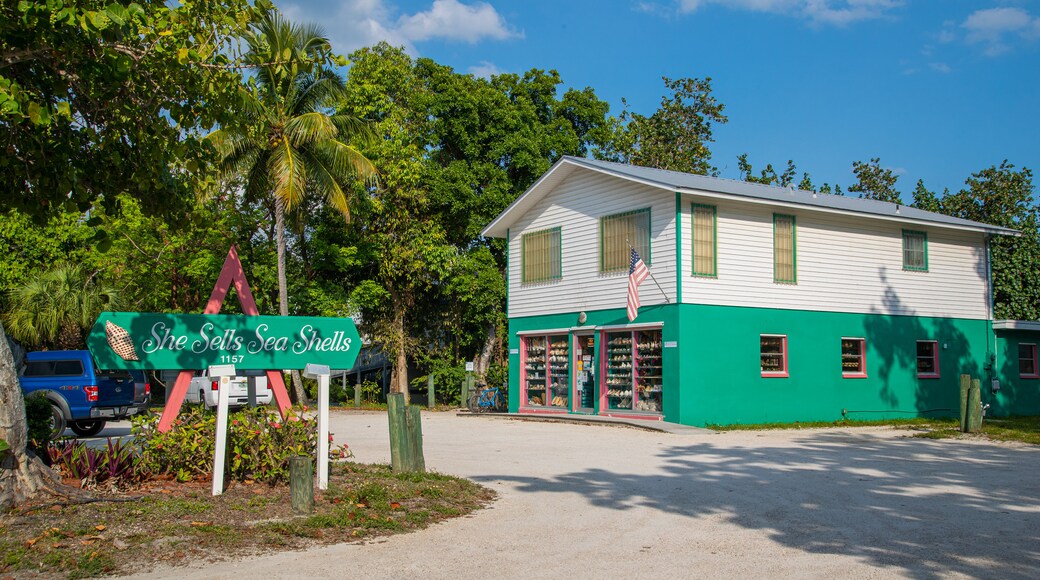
(705, 256)
(541, 258)
(915, 251)
(1027, 361)
(616, 232)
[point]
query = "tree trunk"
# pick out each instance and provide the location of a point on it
(22, 474)
(299, 395)
(483, 362)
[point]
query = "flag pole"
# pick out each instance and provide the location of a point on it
(652, 277)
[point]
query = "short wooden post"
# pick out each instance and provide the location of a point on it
(357, 391)
(430, 393)
(975, 407)
(465, 392)
(301, 484)
(965, 386)
(395, 408)
(413, 422)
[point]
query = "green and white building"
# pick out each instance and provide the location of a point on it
(766, 303)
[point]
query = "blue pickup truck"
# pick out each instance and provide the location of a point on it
(81, 396)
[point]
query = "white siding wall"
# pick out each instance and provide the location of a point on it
(844, 263)
(576, 206)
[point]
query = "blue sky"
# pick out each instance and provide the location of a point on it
(938, 89)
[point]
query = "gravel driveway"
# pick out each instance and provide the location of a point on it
(593, 501)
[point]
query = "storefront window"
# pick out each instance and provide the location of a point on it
(559, 375)
(534, 369)
(634, 371)
(547, 370)
(648, 370)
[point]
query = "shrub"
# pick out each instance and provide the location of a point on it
(38, 422)
(116, 464)
(259, 444)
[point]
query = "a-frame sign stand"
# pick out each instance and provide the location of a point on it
(232, 272)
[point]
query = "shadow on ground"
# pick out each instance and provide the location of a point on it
(931, 508)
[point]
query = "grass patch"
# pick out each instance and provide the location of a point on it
(1021, 429)
(176, 523)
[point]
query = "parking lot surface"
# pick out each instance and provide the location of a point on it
(588, 501)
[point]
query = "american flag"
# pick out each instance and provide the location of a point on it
(637, 272)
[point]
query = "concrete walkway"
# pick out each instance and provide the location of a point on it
(646, 424)
(597, 501)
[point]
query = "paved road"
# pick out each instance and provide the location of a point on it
(596, 501)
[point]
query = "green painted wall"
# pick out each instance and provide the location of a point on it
(713, 375)
(725, 386)
(1017, 396)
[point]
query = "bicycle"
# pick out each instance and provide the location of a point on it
(485, 400)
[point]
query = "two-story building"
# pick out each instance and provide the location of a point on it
(765, 304)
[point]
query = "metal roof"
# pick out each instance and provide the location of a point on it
(730, 189)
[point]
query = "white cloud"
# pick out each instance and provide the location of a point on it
(817, 12)
(484, 70)
(453, 20)
(940, 67)
(996, 29)
(352, 24)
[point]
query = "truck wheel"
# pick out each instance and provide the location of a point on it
(57, 422)
(87, 428)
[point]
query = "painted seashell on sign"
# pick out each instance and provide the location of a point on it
(120, 341)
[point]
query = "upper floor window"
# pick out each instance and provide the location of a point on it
(705, 261)
(927, 359)
(1027, 367)
(853, 358)
(541, 256)
(784, 265)
(619, 231)
(915, 250)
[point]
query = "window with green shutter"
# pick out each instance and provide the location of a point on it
(915, 251)
(617, 232)
(705, 255)
(784, 252)
(541, 256)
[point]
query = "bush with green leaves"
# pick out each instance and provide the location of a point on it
(259, 443)
(38, 422)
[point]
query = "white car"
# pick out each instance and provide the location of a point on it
(203, 389)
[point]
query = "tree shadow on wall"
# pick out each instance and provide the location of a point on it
(928, 508)
(894, 339)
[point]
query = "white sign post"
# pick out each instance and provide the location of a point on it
(223, 373)
(321, 372)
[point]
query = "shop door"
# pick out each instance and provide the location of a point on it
(584, 373)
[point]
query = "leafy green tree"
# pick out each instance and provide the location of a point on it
(290, 143)
(924, 198)
(875, 182)
(676, 136)
(57, 308)
(26, 246)
(769, 176)
(98, 99)
(1005, 196)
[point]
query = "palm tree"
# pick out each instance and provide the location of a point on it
(288, 145)
(56, 309)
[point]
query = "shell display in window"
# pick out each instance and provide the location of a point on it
(120, 341)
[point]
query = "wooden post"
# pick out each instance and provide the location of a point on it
(301, 484)
(395, 408)
(965, 386)
(357, 390)
(975, 407)
(413, 421)
(430, 393)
